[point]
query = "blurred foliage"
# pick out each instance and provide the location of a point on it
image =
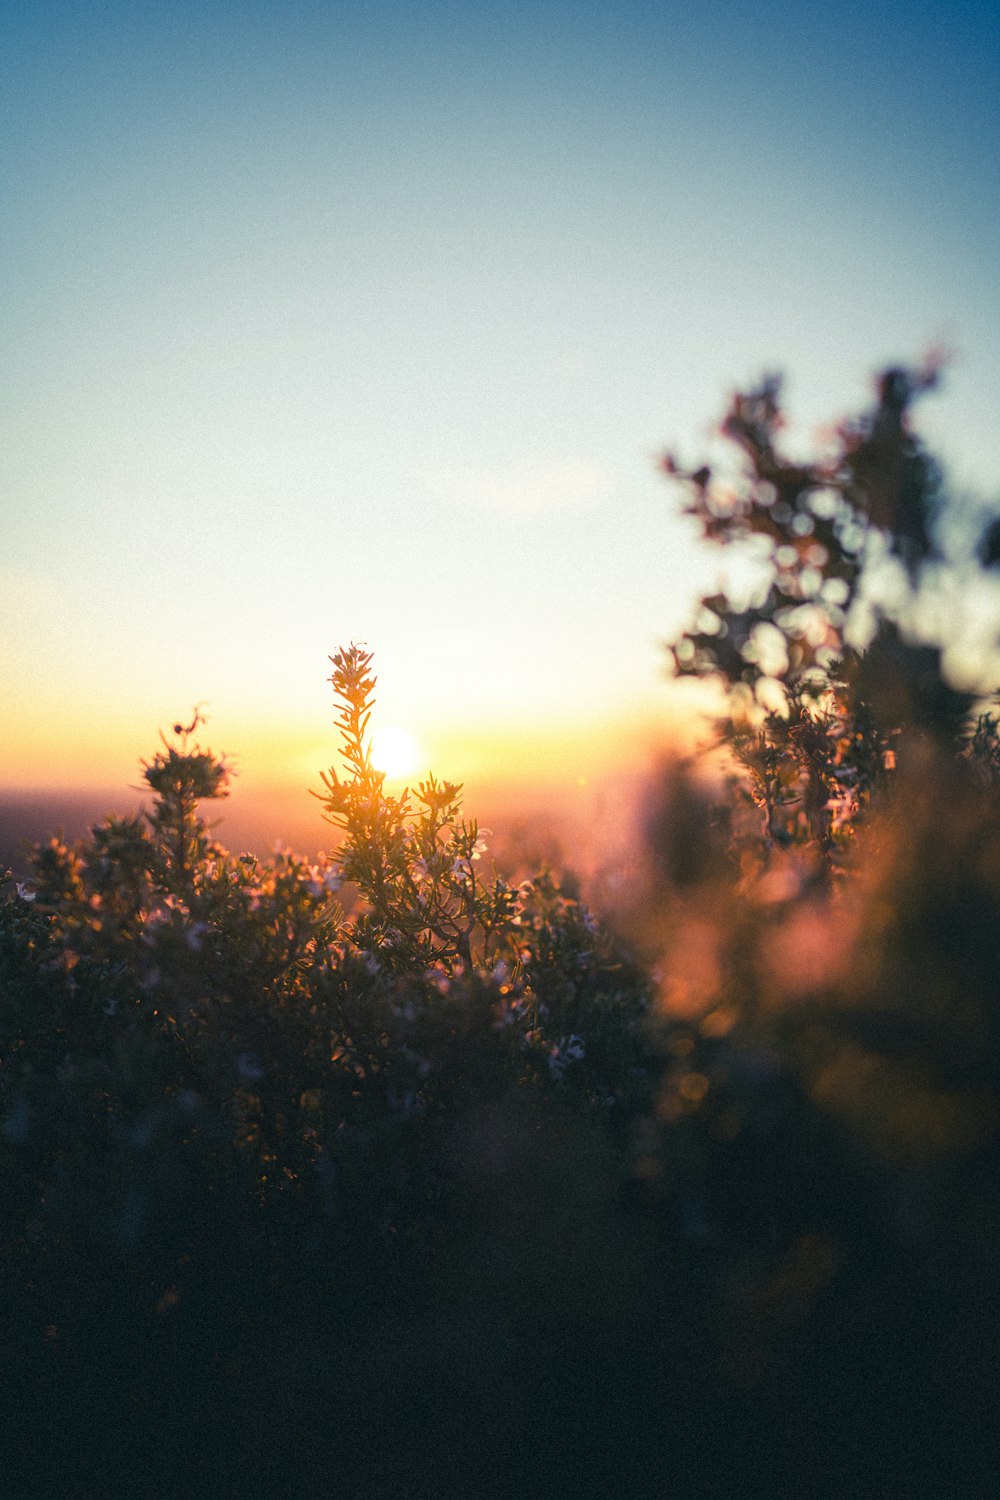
(831, 669)
(828, 931)
(391, 1174)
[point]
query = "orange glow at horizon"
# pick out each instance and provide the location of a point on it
(284, 756)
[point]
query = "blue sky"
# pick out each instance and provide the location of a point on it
(368, 321)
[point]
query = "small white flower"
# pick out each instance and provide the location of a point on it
(568, 1049)
(24, 893)
(438, 977)
(194, 935)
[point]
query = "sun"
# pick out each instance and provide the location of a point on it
(395, 751)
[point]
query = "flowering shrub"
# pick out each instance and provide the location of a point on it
(210, 1061)
(263, 995)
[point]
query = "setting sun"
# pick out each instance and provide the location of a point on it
(395, 751)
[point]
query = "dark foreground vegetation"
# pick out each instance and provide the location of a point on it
(391, 1176)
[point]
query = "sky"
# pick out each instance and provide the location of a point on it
(333, 322)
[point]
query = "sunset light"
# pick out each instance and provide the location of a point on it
(395, 751)
(302, 357)
(500, 749)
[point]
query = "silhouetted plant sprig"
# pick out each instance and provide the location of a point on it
(413, 857)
